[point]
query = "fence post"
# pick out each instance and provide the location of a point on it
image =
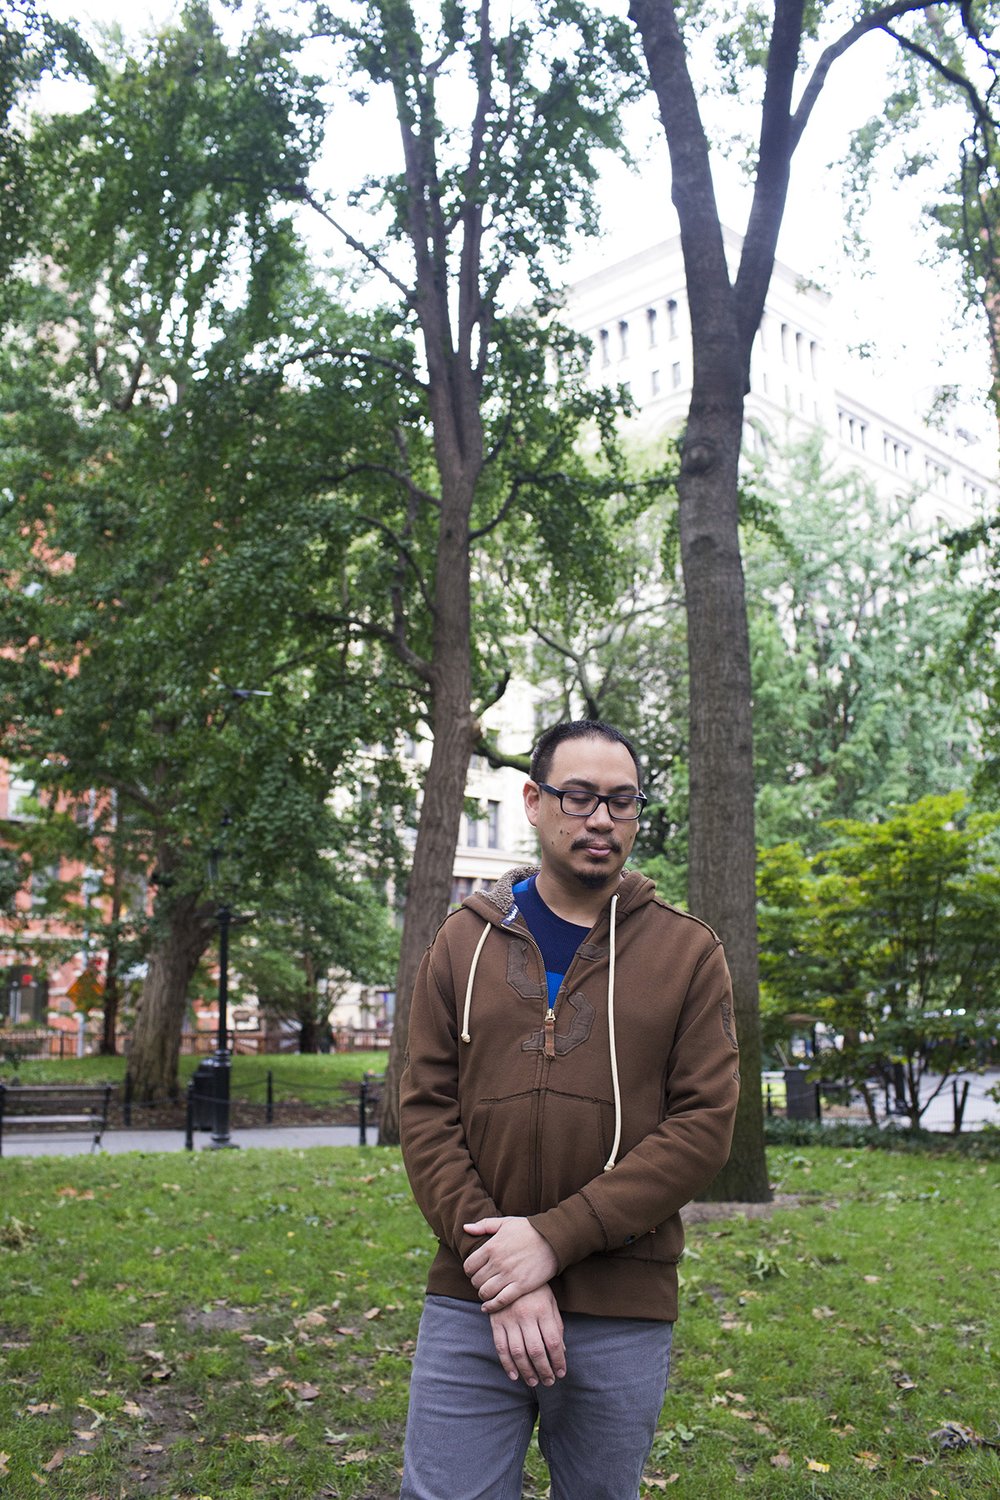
(269, 1112)
(363, 1112)
(189, 1123)
(127, 1099)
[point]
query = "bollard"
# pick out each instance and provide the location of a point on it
(269, 1112)
(189, 1127)
(363, 1112)
(127, 1099)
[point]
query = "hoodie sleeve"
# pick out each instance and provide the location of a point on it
(684, 1153)
(445, 1183)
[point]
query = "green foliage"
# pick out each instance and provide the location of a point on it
(862, 695)
(887, 937)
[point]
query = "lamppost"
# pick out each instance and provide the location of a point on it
(222, 1060)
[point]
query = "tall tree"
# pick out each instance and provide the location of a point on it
(159, 542)
(780, 57)
(498, 119)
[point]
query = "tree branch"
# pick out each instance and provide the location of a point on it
(304, 194)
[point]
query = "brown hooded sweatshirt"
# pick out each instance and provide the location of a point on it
(598, 1133)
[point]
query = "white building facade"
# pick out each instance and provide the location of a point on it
(635, 314)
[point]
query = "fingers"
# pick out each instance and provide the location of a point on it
(528, 1339)
(483, 1226)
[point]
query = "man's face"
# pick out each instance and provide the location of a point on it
(587, 851)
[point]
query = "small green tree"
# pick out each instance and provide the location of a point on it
(889, 936)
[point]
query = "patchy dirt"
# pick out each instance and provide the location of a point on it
(708, 1213)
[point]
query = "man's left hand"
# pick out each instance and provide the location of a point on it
(515, 1260)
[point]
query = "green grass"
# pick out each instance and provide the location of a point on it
(240, 1324)
(308, 1075)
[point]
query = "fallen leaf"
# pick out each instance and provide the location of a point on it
(357, 1457)
(867, 1459)
(55, 1462)
(348, 1332)
(780, 1461)
(260, 1437)
(41, 1408)
(724, 1375)
(816, 1467)
(872, 1279)
(823, 1312)
(373, 1312)
(86, 1435)
(4, 1460)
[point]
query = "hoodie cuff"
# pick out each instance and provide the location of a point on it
(573, 1229)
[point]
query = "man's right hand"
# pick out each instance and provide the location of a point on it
(528, 1336)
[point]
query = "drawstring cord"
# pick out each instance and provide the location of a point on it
(611, 1041)
(466, 1035)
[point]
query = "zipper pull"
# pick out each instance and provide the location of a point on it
(550, 1031)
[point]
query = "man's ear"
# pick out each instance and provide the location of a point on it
(532, 802)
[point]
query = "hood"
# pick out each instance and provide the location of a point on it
(496, 905)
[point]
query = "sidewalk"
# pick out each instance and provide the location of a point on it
(289, 1138)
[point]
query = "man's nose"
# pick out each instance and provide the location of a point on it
(601, 816)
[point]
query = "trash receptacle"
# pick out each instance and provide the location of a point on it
(203, 1095)
(801, 1095)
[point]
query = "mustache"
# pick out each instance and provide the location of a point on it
(609, 842)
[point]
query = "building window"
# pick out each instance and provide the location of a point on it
(852, 429)
(623, 339)
(493, 825)
(799, 346)
(472, 832)
(651, 325)
(973, 494)
(784, 342)
(814, 359)
(937, 476)
(461, 886)
(654, 383)
(672, 318)
(604, 343)
(675, 375)
(895, 453)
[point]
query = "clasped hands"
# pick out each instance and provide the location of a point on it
(511, 1272)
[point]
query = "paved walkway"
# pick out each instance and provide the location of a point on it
(291, 1137)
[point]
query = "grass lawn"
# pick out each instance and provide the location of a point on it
(239, 1324)
(303, 1075)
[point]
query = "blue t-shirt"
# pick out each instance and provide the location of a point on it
(557, 938)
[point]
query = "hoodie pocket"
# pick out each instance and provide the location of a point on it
(532, 1150)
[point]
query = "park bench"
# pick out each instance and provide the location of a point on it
(35, 1106)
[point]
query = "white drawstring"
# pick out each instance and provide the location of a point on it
(611, 1041)
(466, 1035)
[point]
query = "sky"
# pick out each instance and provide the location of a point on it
(903, 305)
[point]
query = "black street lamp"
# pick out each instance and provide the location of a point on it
(221, 1063)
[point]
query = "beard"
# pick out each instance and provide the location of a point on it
(594, 880)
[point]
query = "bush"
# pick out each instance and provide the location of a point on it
(979, 1145)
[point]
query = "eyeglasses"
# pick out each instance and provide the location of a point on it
(624, 807)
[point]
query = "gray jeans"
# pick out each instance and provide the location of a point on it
(469, 1424)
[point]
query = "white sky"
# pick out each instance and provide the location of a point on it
(905, 305)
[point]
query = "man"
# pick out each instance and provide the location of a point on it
(571, 1083)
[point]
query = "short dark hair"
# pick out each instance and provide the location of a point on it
(577, 729)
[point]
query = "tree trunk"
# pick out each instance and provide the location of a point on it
(722, 848)
(156, 1041)
(455, 732)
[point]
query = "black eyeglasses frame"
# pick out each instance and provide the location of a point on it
(574, 791)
